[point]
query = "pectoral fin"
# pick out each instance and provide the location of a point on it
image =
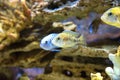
(56, 49)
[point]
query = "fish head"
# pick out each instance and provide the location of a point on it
(63, 40)
(46, 43)
(112, 17)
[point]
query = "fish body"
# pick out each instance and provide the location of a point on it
(112, 17)
(67, 39)
(94, 26)
(46, 43)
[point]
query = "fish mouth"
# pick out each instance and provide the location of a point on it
(104, 19)
(59, 48)
(43, 47)
(50, 49)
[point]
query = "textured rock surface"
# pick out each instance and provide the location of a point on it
(69, 64)
(23, 50)
(84, 7)
(77, 65)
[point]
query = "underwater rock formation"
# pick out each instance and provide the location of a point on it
(6, 73)
(69, 64)
(12, 24)
(57, 5)
(77, 64)
(82, 10)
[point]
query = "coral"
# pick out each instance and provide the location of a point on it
(114, 72)
(96, 76)
(12, 24)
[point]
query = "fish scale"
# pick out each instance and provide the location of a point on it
(67, 39)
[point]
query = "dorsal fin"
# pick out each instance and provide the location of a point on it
(94, 25)
(75, 34)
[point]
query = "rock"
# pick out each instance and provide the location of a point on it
(77, 64)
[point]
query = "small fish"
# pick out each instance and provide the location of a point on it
(46, 43)
(112, 17)
(67, 39)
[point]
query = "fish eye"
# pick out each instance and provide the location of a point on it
(58, 38)
(109, 14)
(46, 42)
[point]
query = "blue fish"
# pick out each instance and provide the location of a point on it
(46, 43)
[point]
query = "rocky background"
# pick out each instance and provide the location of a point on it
(69, 64)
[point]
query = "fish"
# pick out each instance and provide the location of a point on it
(112, 17)
(67, 39)
(46, 43)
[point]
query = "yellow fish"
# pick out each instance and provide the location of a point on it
(112, 17)
(68, 39)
